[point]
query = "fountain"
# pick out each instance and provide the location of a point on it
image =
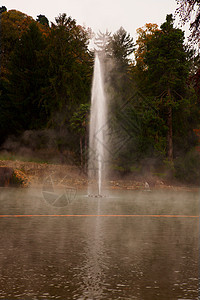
(98, 142)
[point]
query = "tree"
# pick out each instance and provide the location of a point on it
(166, 75)
(2, 9)
(8, 122)
(102, 41)
(69, 72)
(121, 46)
(166, 104)
(13, 25)
(79, 124)
(26, 79)
(189, 11)
(42, 20)
(144, 36)
(118, 64)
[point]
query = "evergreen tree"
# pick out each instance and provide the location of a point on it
(42, 20)
(121, 46)
(26, 79)
(102, 41)
(119, 49)
(2, 9)
(69, 72)
(165, 79)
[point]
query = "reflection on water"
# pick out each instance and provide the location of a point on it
(95, 264)
(95, 257)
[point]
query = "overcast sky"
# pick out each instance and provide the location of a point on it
(100, 14)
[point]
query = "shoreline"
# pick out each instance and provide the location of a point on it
(73, 176)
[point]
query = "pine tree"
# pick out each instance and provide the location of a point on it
(26, 79)
(166, 75)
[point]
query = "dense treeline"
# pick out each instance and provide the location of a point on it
(46, 75)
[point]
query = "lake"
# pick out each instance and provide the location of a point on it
(132, 245)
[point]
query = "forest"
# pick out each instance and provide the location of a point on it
(45, 91)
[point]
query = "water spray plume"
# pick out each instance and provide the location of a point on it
(97, 131)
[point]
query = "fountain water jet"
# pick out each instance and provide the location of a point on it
(98, 153)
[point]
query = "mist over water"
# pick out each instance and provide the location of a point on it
(98, 142)
(96, 257)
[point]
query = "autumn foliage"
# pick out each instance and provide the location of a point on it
(46, 78)
(145, 34)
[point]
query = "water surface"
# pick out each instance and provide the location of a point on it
(101, 255)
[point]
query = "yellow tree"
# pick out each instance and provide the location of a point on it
(145, 34)
(13, 24)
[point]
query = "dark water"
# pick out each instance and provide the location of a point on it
(100, 257)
